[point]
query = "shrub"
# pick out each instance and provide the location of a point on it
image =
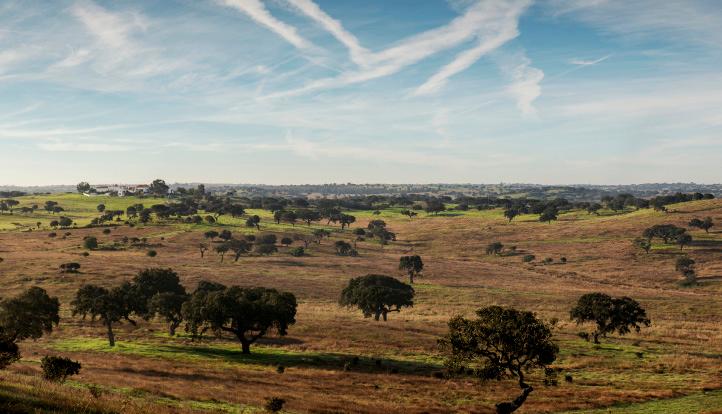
(274, 404)
(280, 369)
(106, 231)
(9, 352)
(528, 258)
(563, 260)
(53, 234)
(297, 252)
(494, 248)
(266, 239)
(152, 253)
(69, 267)
(58, 368)
(286, 241)
(265, 249)
(548, 260)
(90, 243)
(85, 254)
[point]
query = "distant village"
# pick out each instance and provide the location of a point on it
(119, 190)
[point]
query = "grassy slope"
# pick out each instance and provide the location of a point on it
(680, 352)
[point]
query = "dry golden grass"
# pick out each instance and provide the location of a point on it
(680, 353)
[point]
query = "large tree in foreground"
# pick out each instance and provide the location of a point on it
(26, 316)
(621, 315)
(500, 343)
(247, 313)
(377, 295)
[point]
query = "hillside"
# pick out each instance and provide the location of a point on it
(674, 365)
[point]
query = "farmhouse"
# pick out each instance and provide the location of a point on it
(118, 189)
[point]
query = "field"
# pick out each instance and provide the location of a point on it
(674, 366)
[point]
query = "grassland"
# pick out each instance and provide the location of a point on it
(675, 366)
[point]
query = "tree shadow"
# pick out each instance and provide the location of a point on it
(272, 356)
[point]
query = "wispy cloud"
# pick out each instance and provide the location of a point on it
(589, 62)
(359, 54)
(492, 23)
(524, 78)
(259, 13)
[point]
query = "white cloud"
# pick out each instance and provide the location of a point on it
(524, 79)
(359, 54)
(491, 22)
(589, 62)
(259, 13)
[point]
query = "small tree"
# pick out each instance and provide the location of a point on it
(685, 265)
(247, 313)
(377, 295)
(168, 305)
(343, 248)
(494, 248)
(265, 249)
(609, 314)
(90, 243)
(705, 224)
(71, 267)
(412, 265)
(82, 187)
(286, 241)
(499, 343)
(643, 244)
(211, 234)
(254, 221)
(511, 213)
(548, 215)
(202, 247)
(101, 207)
(238, 247)
(684, 240)
(221, 250)
(225, 235)
(57, 369)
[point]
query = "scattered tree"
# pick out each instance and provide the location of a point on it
(609, 314)
(110, 306)
(412, 265)
(247, 313)
(57, 369)
(377, 295)
(499, 343)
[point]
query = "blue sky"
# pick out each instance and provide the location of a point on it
(316, 91)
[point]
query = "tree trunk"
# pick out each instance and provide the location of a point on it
(377, 315)
(411, 278)
(111, 335)
(510, 407)
(384, 315)
(245, 346)
(596, 338)
(172, 327)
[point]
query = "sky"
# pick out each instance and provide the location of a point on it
(363, 91)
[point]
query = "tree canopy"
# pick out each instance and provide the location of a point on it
(247, 313)
(610, 314)
(377, 295)
(500, 343)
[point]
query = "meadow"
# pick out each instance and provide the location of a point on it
(674, 366)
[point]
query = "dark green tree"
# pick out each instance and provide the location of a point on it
(110, 306)
(377, 295)
(412, 265)
(610, 314)
(500, 343)
(247, 313)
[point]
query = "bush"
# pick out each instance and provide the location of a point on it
(69, 267)
(280, 369)
(266, 239)
(297, 252)
(90, 243)
(152, 253)
(58, 368)
(85, 254)
(286, 241)
(548, 260)
(9, 352)
(274, 404)
(528, 258)
(563, 260)
(106, 231)
(265, 249)
(53, 234)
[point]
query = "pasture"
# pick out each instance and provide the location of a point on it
(675, 365)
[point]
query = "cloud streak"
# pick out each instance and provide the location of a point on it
(260, 14)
